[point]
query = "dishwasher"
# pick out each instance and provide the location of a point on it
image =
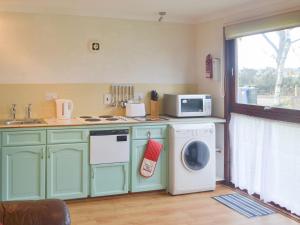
(109, 146)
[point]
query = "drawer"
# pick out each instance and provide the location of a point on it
(149, 132)
(17, 138)
(64, 136)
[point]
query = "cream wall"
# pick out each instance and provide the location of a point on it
(39, 50)
(87, 98)
(54, 49)
(209, 37)
(41, 54)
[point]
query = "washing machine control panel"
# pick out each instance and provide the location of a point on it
(193, 132)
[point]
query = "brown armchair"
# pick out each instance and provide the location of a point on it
(42, 212)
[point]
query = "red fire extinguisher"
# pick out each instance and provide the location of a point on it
(209, 66)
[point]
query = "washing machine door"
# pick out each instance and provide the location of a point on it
(195, 155)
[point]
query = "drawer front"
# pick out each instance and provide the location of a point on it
(158, 180)
(18, 138)
(109, 179)
(23, 173)
(149, 132)
(67, 136)
(67, 171)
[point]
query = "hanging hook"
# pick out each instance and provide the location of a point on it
(149, 134)
(161, 14)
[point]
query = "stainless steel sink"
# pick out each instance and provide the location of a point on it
(11, 122)
(22, 122)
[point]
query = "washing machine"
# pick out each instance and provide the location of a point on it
(192, 158)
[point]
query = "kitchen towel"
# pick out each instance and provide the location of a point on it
(151, 157)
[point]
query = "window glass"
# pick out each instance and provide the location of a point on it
(192, 105)
(268, 69)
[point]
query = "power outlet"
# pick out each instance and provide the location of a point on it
(51, 96)
(107, 99)
(139, 96)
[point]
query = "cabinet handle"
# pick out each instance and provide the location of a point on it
(149, 134)
(42, 156)
(48, 155)
(86, 135)
(125, 175)
(93, 175)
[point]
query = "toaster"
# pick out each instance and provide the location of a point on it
(135, 110)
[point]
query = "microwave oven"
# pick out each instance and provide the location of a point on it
(195, 105)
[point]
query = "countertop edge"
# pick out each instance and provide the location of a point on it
(52, 123)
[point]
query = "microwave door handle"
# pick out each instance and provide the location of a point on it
(63, 109)
(71, 106)
(178, 106)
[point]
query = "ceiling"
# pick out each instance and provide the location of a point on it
(186, 11)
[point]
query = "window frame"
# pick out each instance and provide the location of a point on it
(281, 114)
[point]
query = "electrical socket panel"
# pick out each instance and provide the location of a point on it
(51, 96)
(139, 96)
(107, 98)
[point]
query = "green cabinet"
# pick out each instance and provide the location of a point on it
(26, 164)
(39, 163)
(159, 179)
(109, 179)
(67, 171)
(23, 173)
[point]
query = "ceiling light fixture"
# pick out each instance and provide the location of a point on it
(161, 16)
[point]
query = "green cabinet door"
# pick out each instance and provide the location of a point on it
(109, 179)
(159, 179)
(67, 171)
(23, 173)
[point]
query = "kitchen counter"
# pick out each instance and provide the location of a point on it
(77, 122)
(62, 149)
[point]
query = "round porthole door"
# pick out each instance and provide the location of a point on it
(195, 155)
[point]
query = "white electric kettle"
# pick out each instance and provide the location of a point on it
(64, 109)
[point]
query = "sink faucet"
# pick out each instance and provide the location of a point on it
(28, 113)
(13, 111)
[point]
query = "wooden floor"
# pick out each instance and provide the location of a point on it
(159, 208)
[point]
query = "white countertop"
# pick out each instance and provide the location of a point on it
(78, 122)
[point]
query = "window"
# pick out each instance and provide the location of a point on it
(262, 80)
(268, 69)
(263, 71)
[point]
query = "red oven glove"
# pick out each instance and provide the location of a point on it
(151, 157)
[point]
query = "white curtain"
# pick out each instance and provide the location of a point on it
(265, 159)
